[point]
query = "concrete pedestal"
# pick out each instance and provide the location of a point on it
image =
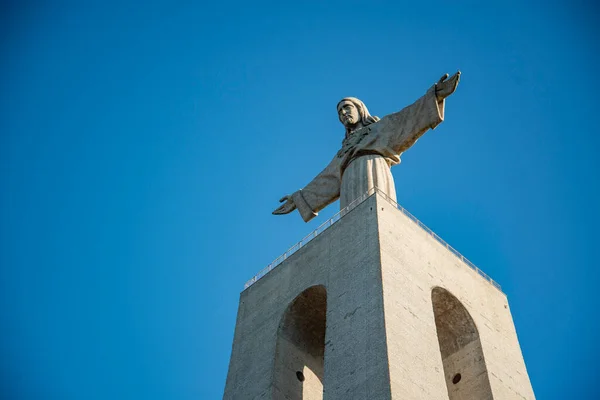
(375, 308)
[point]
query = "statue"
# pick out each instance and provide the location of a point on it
(370, 148)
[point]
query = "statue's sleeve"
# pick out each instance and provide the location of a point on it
(399, 131)
(323, 190)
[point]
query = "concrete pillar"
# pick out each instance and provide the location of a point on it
(372, 276)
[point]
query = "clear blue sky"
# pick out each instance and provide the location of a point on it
(143, 148)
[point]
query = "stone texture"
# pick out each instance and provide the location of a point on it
(366, 137)
(379, 270)
(345, 260)
(413, 264)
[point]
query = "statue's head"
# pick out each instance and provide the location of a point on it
(354, 114)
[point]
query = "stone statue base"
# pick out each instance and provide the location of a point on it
(375, 308)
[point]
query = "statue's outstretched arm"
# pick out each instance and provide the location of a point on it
(399, 131)
(323, 190)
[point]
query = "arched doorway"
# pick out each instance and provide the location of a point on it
(300, 351)
(462, 356)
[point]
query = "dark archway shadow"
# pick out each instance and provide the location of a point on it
(300, 351)
(462, 355)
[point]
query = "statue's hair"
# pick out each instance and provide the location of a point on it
(365, 117)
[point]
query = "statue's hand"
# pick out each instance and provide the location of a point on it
(445, 87)
(286, 207)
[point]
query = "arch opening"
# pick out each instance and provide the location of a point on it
(462, 355)
(300, 349)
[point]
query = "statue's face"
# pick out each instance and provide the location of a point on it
(348, 113)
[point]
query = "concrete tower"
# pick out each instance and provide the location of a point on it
(375, 307)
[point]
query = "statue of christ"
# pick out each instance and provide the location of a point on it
(370, 148)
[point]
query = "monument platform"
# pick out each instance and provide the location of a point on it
(374, 305)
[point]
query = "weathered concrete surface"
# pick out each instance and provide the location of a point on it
(413, 264)
(379, 269)
(345, 260)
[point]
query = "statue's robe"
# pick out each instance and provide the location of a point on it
(366, 156)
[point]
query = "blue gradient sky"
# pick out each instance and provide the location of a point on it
(143, 148)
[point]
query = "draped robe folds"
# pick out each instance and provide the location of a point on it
(366, 156)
